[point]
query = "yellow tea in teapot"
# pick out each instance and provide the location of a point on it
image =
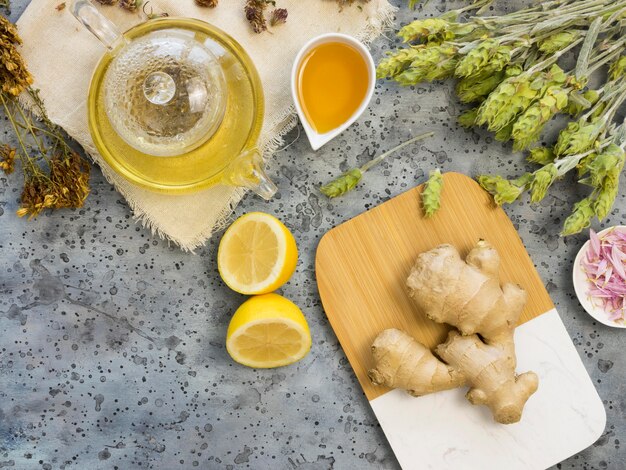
(332, 83)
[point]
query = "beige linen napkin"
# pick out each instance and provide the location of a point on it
(62, 55)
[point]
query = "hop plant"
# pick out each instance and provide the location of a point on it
(527, 129)
(431, 63)
(556, 42)
(578, 137)
(503, 190)
(506, 102)
(428, 30)
(489, 55)
(580, 218)
(542, 180)
(477, 87)
(397, 62)
(467, 118)
(610, 159)
(541, 155)
(431, 194)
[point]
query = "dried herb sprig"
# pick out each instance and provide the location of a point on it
(348, 181)
(54, 175)
(130, 5)
(278, 16)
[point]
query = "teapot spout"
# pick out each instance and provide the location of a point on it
(101, 27)
(247, 171)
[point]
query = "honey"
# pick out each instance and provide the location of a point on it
(332, 83)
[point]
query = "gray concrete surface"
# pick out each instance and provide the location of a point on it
(112, 341)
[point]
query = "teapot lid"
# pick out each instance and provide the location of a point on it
(165, 92)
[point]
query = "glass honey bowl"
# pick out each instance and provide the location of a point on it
(175, 105)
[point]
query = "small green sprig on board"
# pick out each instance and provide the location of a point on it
(348, 181)
(431, 194)
(508, 68)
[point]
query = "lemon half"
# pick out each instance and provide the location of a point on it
(268, 331)
(257, 254)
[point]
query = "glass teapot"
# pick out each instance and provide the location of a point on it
(175, 105)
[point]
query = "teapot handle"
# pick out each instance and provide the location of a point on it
(101, 27)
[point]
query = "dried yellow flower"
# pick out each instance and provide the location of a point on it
(7, 158)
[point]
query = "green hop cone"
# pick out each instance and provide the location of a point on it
(542, 180)
(608, 192)
(397, 62)
(578, 137)
(430, 63)
(477, 88)
(428, 30)
(467, 118)
(580, 218)
(528, 127)
(489, 54)
(504, 134)
(541, 155)
(343, 184)
(582, 167)
(557, 41)
(611, 159)
(618, 68)
(431, 195)
(502, 190)
(512, 97)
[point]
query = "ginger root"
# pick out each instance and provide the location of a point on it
(467, 295)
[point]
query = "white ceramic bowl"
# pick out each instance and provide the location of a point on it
(581, 285)
(317, 140)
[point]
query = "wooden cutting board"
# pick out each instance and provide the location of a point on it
(362, 266)
(361, 269)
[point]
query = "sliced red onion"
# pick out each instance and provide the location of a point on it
(605, 267)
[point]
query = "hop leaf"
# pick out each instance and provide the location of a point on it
(541, 155)
(431, 195)
(557, 41)
(343, 184)
(428, 30)
(542, 180)
(502, 190)
(489, 54)
(527, 129)
(397, 62)
(608, 192)
(468, 118)
(617, 68)
(430, 63)
(580, 218)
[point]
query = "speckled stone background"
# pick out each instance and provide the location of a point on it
(112, 341)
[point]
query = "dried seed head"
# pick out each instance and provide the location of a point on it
(130, 5)
(343, 184)
(278, 16)
(207, 3)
